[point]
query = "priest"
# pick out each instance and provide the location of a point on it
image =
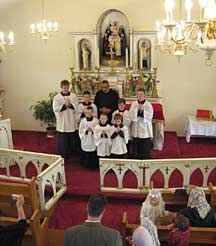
(65, 105)
(106, 100)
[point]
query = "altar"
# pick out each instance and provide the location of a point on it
(124, 57)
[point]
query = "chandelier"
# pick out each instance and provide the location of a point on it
(177, 38)
(6, 44)
(44, 29)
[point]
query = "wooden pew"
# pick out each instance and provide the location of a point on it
(8, 211)
(199, 235)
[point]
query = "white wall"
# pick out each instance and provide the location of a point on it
(34, 69)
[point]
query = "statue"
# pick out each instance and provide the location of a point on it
(85, 57)
(114, 37)
(144, 56)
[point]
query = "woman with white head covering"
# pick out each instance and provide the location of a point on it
(153, 207)
(152, 229)
(198, 210)
(142, 237)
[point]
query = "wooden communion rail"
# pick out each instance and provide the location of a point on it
(38, 205)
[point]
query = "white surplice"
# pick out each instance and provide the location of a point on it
(141, 127)
(87, 138)
(65, 120)
(81, 109)
(119, 144)
(126, 120)
(103, 143)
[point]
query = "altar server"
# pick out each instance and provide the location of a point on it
(119, 136)
(124, 112)
(141, 114)
(86, 101)
(102, 137)
(86, 134)
(65, 105)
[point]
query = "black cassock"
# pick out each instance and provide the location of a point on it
(108, 100)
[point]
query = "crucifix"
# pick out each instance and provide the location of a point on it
(111, 53)
(167, 170)
(206, 169)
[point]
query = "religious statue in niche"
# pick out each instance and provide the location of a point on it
(85, 54)
(145, 54)
(114, 40)
(85, 57)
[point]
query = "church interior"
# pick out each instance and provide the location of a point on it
(65, 64)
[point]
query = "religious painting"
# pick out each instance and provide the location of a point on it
(144, 54)
(113, 38)
(85, 54)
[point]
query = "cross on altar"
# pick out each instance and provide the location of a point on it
(111, 53)
(120, 170)
(167, 170)
(206, 169)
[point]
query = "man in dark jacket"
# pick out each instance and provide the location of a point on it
(106, 100)
(92, 232)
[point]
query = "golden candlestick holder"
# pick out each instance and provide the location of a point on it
(72, 79)
(154, 90)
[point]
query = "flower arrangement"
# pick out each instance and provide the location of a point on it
(85, 83)
(143, 80)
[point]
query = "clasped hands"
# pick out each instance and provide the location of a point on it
(105, 110)
(67, 102)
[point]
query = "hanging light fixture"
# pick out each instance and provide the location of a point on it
(178, 38)
(6, 43)
(44, 28)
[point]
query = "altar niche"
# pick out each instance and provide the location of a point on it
(144, 54)
(113, 38)
(85, 54)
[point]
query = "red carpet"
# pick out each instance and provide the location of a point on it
(82, 182)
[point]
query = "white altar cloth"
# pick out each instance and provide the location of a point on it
(197, 127)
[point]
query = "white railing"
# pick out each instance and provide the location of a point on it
(5, 134)
(49, 177)
(144, 169)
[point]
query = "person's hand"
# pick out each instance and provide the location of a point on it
(107, 110)
(140, 107)
(170, 227)
(89, 129)
(67, 102)
(102, 110)
(20, 201)
(173, 214)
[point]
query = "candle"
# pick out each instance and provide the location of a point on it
(169, 5)
(203, 4)
(55, 26)
(33, 28)
(98, 57)
(11, 38)
(141, 59)
(126, 57)
(2, 37)
(188, 7)
(84, 63)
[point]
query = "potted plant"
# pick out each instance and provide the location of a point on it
(43, 111)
